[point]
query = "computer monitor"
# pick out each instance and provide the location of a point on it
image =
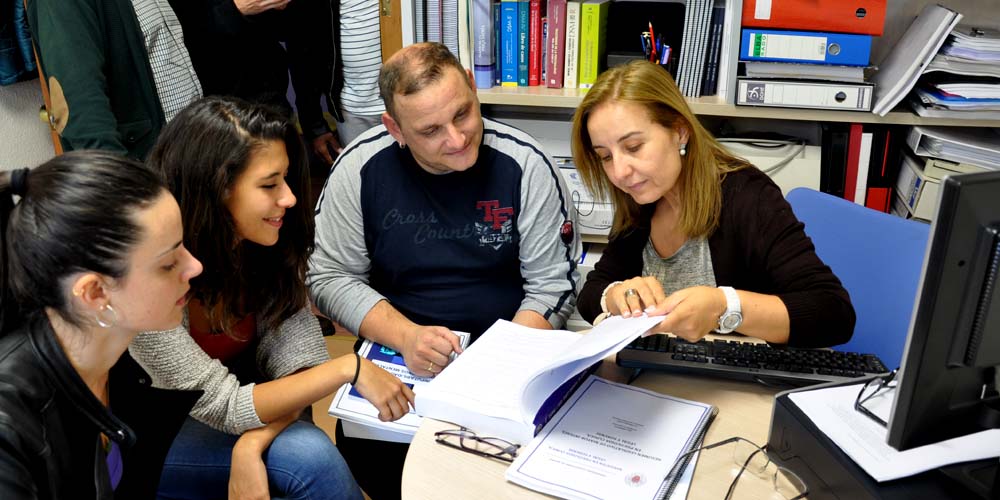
(949, 375)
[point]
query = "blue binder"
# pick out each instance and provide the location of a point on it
(805, 47)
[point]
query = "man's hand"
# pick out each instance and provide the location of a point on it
(327, 147)
(426, 349)
(390, 395)
(251, 7)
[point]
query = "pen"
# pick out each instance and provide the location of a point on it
(652, 38)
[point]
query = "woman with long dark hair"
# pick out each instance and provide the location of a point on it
(250, 340)
(92, 255)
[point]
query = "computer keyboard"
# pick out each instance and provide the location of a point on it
(748, 361)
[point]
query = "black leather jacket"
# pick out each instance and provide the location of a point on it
(50, 423)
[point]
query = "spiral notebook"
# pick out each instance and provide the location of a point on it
(613, 440)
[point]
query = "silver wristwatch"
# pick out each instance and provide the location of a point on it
(733, 317)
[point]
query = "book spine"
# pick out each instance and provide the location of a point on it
(508, 43)
(545, 52)
(853, 157)
(523, 13)
(714, 47)
(556, 43)
(805, 47)
(497, 43)
(482, 39)
(535, 42)
(572, 59)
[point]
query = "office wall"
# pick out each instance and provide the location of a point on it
(24, 140)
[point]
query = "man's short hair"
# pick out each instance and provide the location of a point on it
(421, 65)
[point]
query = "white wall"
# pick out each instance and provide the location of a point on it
(24, 140)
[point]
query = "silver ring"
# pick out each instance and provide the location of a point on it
(631, 293)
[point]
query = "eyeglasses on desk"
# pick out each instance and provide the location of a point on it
(468, 441)
(875, 388)
(748, 456)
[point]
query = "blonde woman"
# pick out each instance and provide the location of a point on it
(699, 235)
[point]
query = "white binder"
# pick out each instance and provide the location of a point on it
(804, 94)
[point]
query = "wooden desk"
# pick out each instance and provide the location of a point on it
(433, 471)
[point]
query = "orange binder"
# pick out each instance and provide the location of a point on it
(863, 17)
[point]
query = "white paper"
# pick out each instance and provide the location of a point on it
(348, 405)
(914, 51)
(498, 384)
(864, 440)
(610, 441)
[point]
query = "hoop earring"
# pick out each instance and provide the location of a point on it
(103, 321)
(684, 149)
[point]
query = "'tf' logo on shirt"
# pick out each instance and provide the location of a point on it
(494, 214)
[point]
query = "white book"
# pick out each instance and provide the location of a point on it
(729, 52)
(758, 69)
(911, 55)
(612, 441)
(571, 64)
(864, 162)
(360, 418)
(505, 384)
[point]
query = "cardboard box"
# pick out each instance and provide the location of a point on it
(918, 192)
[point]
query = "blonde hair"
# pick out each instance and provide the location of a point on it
(702, 168)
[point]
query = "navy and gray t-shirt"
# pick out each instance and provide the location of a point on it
(459, 250)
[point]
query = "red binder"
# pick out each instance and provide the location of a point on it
(863, 17)
(853, 157)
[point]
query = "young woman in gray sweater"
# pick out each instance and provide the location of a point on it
(250, 340)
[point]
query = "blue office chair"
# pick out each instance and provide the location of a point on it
(878, 257)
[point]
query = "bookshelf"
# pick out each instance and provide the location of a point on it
(541, 97)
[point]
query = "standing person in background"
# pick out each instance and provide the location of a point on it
(117, 70)
(248, 49)
(92, 255)
(249, 339)
(438, 220)
(360, 52)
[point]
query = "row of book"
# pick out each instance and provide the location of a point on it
(567, 43)
(808, 53)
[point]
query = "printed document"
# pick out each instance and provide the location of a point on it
(501, 382)
(864, 440)
(360, 418)
(612, 441)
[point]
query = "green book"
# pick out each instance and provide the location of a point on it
(593, 40)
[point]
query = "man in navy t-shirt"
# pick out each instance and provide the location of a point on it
(441, 220)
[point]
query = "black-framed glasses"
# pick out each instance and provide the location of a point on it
(466, 440)
(876, 387)
(751, 457)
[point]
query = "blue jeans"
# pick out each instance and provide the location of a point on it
(302, 463)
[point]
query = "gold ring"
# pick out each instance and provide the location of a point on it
(430, 367)
(631, 293)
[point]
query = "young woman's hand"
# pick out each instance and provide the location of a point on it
(248, 475)
(390, 395)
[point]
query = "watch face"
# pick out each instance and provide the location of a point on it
(731, 321)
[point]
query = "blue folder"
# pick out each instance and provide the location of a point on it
(805, 47)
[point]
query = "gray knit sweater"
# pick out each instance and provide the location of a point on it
(175, 361)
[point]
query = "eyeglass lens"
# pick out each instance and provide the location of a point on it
(748, 455)
(788, 484)
(755, 461)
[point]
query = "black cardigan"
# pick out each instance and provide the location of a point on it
(759, 246)
(50, 423)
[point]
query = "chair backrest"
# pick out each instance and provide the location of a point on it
(878, 257)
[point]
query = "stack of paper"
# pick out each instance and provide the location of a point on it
(911, 55)
(963, 80)
(505, 384)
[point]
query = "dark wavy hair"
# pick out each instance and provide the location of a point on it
(76, 214)
(201, 153)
